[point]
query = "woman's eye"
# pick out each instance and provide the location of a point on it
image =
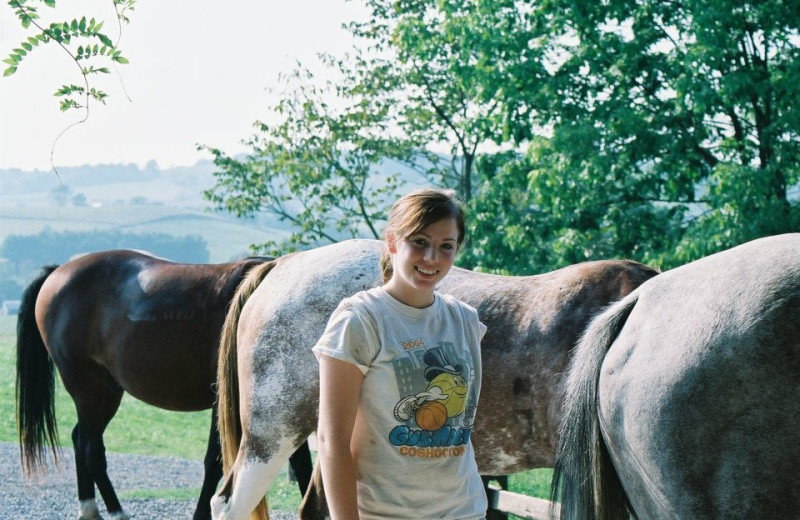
(420, 241)
(448, 247)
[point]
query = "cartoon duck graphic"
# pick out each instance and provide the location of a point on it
(445, 396)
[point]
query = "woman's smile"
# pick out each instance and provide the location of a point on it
(421, 260)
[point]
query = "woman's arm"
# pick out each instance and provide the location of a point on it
(340, 392)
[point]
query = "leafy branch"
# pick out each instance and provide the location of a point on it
(81, 39)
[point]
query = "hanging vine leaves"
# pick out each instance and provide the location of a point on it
(83, 40)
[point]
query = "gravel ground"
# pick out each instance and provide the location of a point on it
(55, 498)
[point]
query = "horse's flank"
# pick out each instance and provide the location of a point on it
(532, 324)
(692, 400)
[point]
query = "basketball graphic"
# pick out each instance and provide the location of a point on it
(431, 416)
(455, 387)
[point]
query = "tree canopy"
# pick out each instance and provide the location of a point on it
(673, 122)
(660, 131)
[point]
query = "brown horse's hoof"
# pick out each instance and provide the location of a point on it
(119, 515)
(87, 510)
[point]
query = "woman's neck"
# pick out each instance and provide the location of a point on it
(417, 299)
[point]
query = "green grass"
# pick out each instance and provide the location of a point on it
(534, 483)
(142, 429)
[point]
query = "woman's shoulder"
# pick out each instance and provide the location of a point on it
(362, 303)
(454, 303)
(363, 298)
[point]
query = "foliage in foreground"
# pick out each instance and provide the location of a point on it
(82, 41)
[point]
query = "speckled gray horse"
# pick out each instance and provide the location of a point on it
(269, 374)
(683, 399)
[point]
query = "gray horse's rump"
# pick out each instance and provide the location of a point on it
(699, 394)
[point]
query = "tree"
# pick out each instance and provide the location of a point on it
(457, 67)
(315, 167)
(675, 121)
(660, 131)
(408, 93)
(653, 130)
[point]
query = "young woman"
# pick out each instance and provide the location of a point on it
(400, 375)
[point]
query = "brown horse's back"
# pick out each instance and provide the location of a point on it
(143, 324)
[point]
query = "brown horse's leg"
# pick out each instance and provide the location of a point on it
(85, 482)
(96, 405)
(300, 462)
(213, 471)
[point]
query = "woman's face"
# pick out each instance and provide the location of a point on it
(421, 260)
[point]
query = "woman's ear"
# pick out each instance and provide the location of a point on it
(391, 242)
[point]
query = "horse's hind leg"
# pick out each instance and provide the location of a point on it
(213, 471)
(301, 465)
(96, 406)
(314, 506)
(248, 482)
(86, 498)
(300, 462)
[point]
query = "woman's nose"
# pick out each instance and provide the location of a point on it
(431, 254)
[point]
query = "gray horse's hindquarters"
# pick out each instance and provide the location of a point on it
(699, 395)
(533, 323)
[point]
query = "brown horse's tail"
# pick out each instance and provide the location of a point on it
(584, 479)
(229, 421)
(35, 393)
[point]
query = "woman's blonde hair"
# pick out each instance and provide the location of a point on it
(416, 211)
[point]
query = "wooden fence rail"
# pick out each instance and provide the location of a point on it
(503, 503)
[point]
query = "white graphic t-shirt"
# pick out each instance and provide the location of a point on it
(422, 378)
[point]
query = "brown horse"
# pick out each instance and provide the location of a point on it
(114, 322)
(268, 376)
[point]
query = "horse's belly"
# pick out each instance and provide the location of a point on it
(170, 392)
(166, 371)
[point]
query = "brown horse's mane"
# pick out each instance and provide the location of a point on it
(229, 421)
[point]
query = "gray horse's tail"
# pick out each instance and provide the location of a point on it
(584, 479)
(229, 420)
(35, 391)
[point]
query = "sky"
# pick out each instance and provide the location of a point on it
(200, 72)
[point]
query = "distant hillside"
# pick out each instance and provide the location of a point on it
(121, 184)
(129, 199)
(109, 184)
